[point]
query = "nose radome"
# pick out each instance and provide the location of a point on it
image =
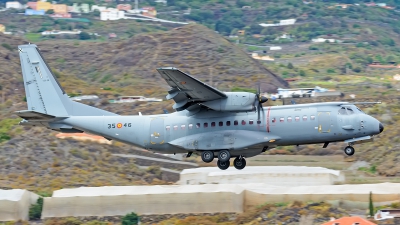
(380, 127)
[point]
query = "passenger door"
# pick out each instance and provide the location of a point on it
(324, 122)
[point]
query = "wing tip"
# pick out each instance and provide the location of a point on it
(167, 68)
(27, 46)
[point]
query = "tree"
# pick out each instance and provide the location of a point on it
(371, 205)
(130, 219)
(290, 66)
(96, 12)
(84, 36)
(302, 73)
(50, 11)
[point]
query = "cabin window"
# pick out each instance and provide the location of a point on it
(235, 123)
(304, 118)
(297, 118)
(342, 111)
(205, 125)
(243, 122)
(273, 120)
(167, 128)
(312, 117)
(282, 119)
(350, 111)
(212, 124)
(175, 127)
(190, 126)
(251, 122)
(221, 123)
(289, 119)
(198, 125)
(183, 127)
(228, 123)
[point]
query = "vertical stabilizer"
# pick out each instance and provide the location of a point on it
(44, 93)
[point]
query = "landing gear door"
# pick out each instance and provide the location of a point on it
(324, 122)
(157, 135)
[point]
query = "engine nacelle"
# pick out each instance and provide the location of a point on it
(235, 102)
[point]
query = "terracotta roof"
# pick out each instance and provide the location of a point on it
(350, 221)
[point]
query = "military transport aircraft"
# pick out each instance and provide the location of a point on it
(207, 121)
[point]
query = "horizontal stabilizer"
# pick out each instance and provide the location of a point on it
(32, 115)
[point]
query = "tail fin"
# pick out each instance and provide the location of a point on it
(44, 93)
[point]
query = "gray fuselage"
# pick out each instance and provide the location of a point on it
(238, 132)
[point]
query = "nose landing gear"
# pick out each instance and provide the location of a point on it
(349, 150)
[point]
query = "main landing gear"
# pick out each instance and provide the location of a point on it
(349, 150)
(223, 159)
(239, 163)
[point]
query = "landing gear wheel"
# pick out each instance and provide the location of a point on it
(224, 155)
(239, 163)
(349, 150)
(207, 156)
(223, 165)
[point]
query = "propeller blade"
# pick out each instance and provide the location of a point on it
(258, 112)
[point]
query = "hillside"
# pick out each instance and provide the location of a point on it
(125, 68)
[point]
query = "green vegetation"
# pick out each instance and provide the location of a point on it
(371, 169)
(6, 129)
(35, 211)
(130, 219)
(371, 205)
(7, 46)
(240, 89)
(33, 37)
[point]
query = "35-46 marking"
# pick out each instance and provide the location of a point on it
(118, 125)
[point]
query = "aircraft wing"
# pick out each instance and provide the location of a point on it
(187, 90)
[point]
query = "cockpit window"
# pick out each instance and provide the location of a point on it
(349, 111)
(342, 111)
(359, 110)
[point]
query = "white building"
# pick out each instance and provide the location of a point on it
(275, 48)
(161, 1)
(60, 32)
(290, 176)
(287, 22)
(13, 5)
(112, 14)
(281, 23)
(15, 203)
(322, 40)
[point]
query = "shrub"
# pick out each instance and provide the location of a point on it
(130, 219)
(35, 211)
(7, 46)
(330, 70)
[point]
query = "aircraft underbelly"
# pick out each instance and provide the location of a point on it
(229, 139)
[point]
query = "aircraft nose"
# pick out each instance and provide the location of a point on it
(380, 127)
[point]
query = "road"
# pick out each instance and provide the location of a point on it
(156, 159)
